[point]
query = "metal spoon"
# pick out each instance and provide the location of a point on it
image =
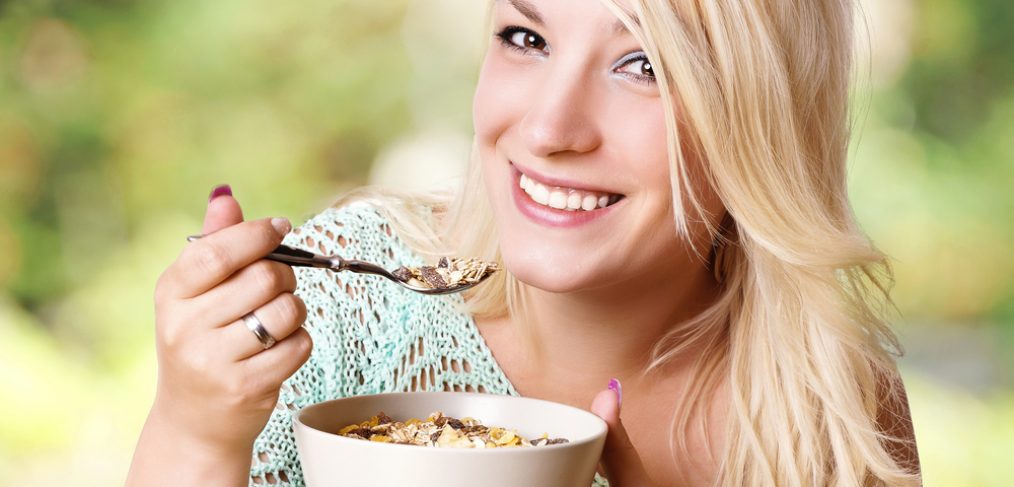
(302, 258)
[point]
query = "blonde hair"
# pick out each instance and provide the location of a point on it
(757, 91)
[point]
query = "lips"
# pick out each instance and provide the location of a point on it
(559, 203)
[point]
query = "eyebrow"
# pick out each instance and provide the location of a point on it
(620, 28)
(532, 13)
(528, 10)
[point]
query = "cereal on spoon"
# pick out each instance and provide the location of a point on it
(448, 273)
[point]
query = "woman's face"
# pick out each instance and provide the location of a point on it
(572, 135)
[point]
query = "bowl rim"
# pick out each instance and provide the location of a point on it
(599, 434)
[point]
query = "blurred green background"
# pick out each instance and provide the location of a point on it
(117, 117)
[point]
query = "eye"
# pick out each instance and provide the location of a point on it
(637, 66)
(522, 39)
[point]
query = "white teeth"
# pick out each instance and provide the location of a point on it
(574, 201)
(540, 194)
(558, 200)
(564, 198)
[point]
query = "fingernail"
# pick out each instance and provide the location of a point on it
(220, 190)
(282, 225)
(615, 386)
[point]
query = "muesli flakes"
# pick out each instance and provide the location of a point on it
(448, 273)
(441, 431)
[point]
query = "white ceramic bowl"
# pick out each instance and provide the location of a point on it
(332, 460)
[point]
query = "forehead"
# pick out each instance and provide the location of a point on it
(553, 13)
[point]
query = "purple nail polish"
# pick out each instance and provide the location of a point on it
(221, 190)
(615, 386)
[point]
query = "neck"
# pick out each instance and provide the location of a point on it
(585, 338)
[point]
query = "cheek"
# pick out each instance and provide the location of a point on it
(638, 136)
(495, 112)
(488, 118)
(645, 143)
(495, 101)
(642, 141)
(697, 168)
(655, 146)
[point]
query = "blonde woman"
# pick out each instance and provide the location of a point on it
(663, 182)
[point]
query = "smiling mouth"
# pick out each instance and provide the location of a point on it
(567, 199)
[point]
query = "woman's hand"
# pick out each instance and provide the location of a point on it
(217, 385)
(620, 463)
(216, 381)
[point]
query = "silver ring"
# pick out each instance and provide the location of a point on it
(255, 325)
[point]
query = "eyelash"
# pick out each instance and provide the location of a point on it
(639, 78)
(505, 35)
(507, 32)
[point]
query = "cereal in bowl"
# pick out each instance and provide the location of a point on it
(441, 431)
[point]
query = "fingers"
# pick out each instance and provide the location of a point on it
(620, 461)
(199, 300)
(223, 210)
(281, 318)
(279, 362)
(205, 263)
(248, 289)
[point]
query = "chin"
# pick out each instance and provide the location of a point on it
(547, 274)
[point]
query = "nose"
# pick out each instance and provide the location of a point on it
(561, 118)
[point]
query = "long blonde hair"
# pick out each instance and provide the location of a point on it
(758, 90)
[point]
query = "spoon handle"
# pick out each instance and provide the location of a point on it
(297, 257)
(302, 258)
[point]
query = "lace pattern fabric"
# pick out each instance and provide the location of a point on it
(369, 336)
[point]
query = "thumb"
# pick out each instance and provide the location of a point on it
(223, 210)
(620, 462)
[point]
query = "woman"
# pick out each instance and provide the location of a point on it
(663, 182)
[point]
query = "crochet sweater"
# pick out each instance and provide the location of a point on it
(369, 336)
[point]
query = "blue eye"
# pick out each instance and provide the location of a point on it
(522, 39)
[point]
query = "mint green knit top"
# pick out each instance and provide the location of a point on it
(369, 336)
